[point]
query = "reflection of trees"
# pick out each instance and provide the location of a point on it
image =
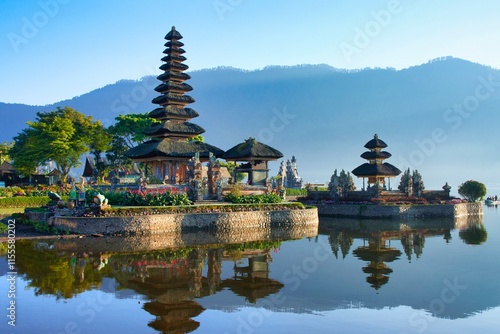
(413, 243)
(52, 273)
(474, 234)
(340, 240)
(412, 234)
(172, 279)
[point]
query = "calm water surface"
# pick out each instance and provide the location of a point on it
(353, 277)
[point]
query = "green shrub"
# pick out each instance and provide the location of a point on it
(296, 192)
(255, 199)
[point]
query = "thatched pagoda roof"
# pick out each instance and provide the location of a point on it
(173, 111)
(173, 34)
(175, 66)
(172, 85)
(170, 148)
(7, 167)
(385, 169)
(375, 143)
(173, 76)
(173, 128)
(172, 98)
(175, 43)
(171, 57)
(373, 155)
(252, 150)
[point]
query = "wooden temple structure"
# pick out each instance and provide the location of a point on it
(376, 170)
(171, 146)
(256, 156)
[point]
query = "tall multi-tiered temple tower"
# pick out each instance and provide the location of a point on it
(376, 170)
(171, 146)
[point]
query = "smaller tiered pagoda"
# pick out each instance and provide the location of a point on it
(376, 170)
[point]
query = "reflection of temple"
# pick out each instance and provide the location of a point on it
(378, 252)
(173, 285)
(252, 280)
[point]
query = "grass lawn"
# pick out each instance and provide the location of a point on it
(4, 212)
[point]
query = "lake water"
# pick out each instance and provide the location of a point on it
(353, 277)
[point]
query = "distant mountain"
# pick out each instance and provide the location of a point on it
(440, 117)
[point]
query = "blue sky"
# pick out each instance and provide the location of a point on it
(57, 49)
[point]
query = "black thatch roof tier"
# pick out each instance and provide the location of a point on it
(382, 254)
(173, 86)
(173, 99)
(174, 128)
(7, 167)
(173, 112)
(174, 66)
(375, 143)
(176, 51)
(385, 169)
(173, 34)
(169, 148)
(173, 58)
(376, 155)
(175, 44)
(251, 150)
(174, 76)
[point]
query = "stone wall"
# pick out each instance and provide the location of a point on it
(371, 211)
(227, 222)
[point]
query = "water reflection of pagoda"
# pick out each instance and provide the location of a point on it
(173, 285)
(252, 280)
(379, 252)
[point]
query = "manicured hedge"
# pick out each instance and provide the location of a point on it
(254, 199)
(212, 208)
(25, 201)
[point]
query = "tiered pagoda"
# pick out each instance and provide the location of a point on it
(170, 148)
(376, 170)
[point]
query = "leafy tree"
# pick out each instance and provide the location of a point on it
(333, 185)
(198, 138)
(131, 128)
(417, 184)
(62, 136)
(4, 151)
(340, 185)
(116, 154)
(25, 153)
(101, 142)
(472, 191)
(405, 184)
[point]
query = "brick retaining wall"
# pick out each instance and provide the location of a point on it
(370, 211)
(172, 223)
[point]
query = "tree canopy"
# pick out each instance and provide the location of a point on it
(61, 136)
(131, 128)
(472, 191)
